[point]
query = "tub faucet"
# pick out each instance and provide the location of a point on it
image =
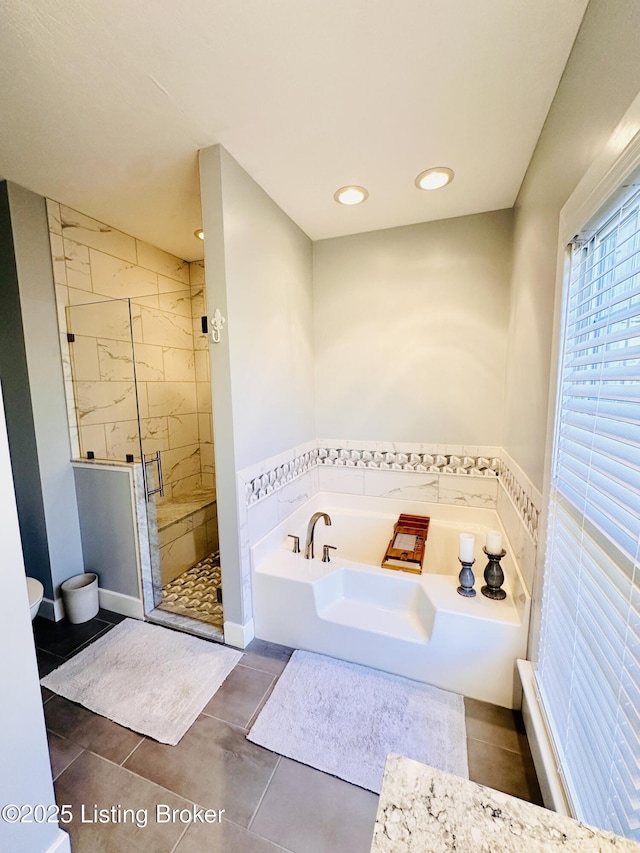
(308, 548)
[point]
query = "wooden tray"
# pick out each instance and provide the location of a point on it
(405, 551)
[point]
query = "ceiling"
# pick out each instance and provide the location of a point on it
(105, 105)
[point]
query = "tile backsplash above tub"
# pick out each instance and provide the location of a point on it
(420, 462)
(447, 474)
(409, 466)
(467, 489)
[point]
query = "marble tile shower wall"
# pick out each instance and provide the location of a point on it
(94, 265)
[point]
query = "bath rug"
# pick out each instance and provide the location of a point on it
(147, 678)
(345, 719)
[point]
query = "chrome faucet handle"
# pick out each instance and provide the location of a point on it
(296, 543)
(325, 552)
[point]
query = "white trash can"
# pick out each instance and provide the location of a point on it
(80, 596)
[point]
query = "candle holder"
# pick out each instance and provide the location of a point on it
(494, 577)
(467, 579)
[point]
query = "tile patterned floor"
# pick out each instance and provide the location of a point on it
(272, 804)
(195, 592)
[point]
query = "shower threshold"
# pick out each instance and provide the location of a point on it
(186, 624)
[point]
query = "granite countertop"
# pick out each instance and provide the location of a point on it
(423, 810)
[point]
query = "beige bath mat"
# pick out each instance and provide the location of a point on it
(345, 719)
(147, 678)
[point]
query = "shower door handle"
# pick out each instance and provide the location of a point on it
(160, 489)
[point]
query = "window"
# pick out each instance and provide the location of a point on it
(589, 661)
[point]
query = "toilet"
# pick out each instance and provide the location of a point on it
(35, 591)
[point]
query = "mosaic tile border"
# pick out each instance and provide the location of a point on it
(529, 513)
(271, 481)
(430, 463)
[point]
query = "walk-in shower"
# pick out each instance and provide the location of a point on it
(139, 377)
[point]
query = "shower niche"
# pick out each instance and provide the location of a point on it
(139, 394)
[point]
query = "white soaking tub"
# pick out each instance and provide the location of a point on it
(411, 625)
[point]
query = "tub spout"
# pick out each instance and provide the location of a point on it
(308, 548)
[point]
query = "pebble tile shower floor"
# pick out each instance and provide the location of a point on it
(195, 592)
(272, 804)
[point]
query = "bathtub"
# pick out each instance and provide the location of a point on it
(411, 625)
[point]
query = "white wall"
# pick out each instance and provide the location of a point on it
(410, 330)
(601, 79)
(25, 775)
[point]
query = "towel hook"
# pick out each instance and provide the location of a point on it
(217, 322)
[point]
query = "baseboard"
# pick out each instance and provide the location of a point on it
(53, 610)
(552, 785)
(126, 605)
(62, 843)
(239, 635)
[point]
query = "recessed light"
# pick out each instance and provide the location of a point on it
(199, 233)
(433, 179)
(351, 195)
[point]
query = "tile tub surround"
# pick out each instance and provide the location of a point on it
(423, 809)
(94, 263)
(447, 465)
(290, 807)
(519, 506)
(416, 461)
(272, 489)
(524, 496)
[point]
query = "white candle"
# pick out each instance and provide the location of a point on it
(467, 542)
(494, 542)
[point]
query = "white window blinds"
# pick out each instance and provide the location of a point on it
(589, 667)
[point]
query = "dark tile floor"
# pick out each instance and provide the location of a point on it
(56, 642)
(271, 803)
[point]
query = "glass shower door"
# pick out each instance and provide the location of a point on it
(107, 407)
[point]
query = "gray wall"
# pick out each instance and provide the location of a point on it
(410, 332)
(15, 381)
(268, 270)
(26, 773)
(107, 526)
(601, 79)
(30, 364)
(259, 274)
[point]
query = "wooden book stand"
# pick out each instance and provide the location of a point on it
(405, 551)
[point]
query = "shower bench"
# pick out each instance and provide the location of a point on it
(187, 531)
